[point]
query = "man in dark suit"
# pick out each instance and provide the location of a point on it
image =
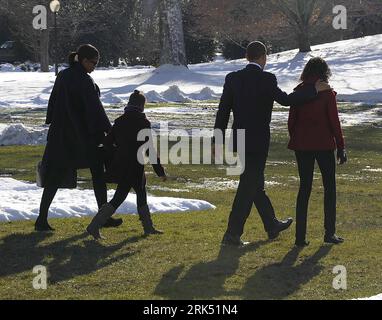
(250, 93)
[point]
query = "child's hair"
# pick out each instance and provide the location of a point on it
(137, 99)
(316, 67)
(84, 51)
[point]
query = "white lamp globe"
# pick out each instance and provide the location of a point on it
(55, 6)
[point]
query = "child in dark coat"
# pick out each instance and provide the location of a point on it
(124, 167)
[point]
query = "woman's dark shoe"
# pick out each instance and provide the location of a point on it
(334, 239)
(113, 223)
(302, 243)
(43, 227)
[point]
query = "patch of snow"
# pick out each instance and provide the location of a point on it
(20, 201)
(205, 94)
(279, 163)
(350, 177)
(217, 184)
(174, 94)
(154, 97)
(377, 297)
(165, 189)
(372, 170)
(111, 98)
(18, 134)
(7, 67)
(373, 116)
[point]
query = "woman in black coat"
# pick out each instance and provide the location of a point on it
(78, 124)
(125, 167)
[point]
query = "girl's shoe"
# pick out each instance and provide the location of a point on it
(147, 223)
(113, 223)
(104, 213)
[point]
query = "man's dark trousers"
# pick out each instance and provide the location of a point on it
(251, 191)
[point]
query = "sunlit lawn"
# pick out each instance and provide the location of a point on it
(187, 262)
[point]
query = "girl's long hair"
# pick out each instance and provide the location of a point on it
(316, 67)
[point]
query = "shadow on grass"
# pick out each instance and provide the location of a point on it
(279, 280)
(204, 280)
(207, 280)
(65, 259)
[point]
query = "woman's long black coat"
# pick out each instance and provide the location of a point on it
(77, 119)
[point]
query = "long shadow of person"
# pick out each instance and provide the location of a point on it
(21, 252)
(64, 259)
(79, 260)
(204, 280)
(279, 280)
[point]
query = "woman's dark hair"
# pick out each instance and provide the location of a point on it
(316, 67)
(84, 51)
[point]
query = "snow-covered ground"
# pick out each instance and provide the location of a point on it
(20, 201)
(356, 66)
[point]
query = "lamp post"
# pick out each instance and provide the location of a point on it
(55, 7)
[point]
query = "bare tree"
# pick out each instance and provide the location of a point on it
(171, 34)
(235, 20)
(149, 31)
(302, 15)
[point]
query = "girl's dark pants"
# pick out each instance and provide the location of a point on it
(123, 191)
(327, 164)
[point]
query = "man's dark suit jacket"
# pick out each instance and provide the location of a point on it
(250, 93)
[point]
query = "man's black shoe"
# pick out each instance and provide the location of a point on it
(279, 227)
(334, 239)
(113, 223)
(233, 241)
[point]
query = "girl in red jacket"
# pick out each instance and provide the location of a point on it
(315, 132)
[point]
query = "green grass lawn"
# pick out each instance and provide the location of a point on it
(187, 262)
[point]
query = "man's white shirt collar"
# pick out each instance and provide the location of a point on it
(256, 64)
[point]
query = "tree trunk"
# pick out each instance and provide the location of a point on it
(44, 50)
(173, 49)
(342, 35)
(304, 40)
